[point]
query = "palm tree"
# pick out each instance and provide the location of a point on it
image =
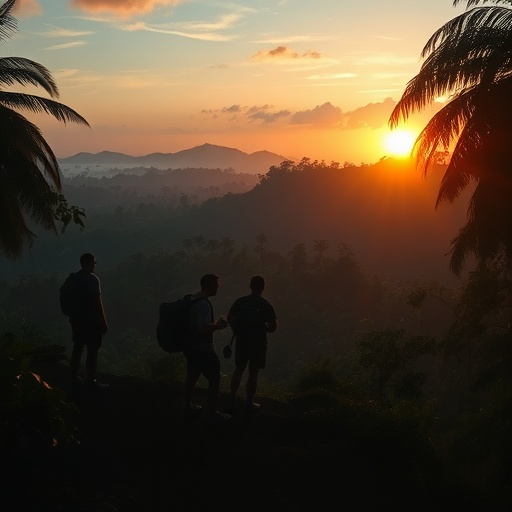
(320, 246)
(469, 61)
(30, 183)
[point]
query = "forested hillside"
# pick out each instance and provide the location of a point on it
(384, 213)
(170, 188)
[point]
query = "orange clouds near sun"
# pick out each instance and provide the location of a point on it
(123, 8)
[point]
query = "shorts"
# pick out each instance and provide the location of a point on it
(252, 352)
(85, 334)
(204, 361)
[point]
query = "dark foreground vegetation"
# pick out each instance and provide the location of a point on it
(130, 449)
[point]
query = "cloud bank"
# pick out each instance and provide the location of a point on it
(26, 8)
(122, 8)
(373, 115)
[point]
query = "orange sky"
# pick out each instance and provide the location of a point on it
(314, 78)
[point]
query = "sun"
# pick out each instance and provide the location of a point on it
(399, 143)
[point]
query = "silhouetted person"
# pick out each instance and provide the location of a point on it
(88, 323)
(199, 353)
(251, 317)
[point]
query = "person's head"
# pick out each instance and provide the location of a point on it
(257, 284)
(87, 262)
(209, 284)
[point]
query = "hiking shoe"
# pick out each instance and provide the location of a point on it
(94, 385)
(252, 406)
(218, 418)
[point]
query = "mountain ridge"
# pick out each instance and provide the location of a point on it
(206, 155)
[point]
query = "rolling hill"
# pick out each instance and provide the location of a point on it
(205, 156)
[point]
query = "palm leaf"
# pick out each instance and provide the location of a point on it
(23, 138)
(38, 105)
(27, 72)
(8, 24)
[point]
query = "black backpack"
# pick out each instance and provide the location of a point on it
(71, 295)
(172, 330)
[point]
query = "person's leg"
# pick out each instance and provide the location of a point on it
(257, 362)
(76, 357)
(213, 394)
(211, 370)
(241, 360)
(251, 385)
(190, 383)
(236, 378)
(91, 363)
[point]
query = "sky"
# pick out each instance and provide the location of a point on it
(301, 78)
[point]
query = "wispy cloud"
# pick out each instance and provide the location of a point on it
(189, 31)
(124, 79)
(122, 8)
(285, 53)
(65, 46)
(64, 32)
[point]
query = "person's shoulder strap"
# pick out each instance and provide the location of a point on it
(194, 299)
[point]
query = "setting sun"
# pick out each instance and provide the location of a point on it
(399, 143)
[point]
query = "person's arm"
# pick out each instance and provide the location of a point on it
(103, 319)
(204, 324)
(212, 326)
(231, 317)
(99, 306)
(272, 319)
(272, 325)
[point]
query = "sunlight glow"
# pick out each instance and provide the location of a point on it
(399, 143)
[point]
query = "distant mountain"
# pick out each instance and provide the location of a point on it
(207, 156)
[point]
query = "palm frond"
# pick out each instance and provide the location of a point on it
(469, 24)
(467, 56)
(443, 128)
(38, 105)
(27, 72)
(462, 246)
(15, 233)
(8, 24)
(19, 136)
(471, 3)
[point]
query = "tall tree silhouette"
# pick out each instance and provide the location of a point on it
(30, 183)
(261, 238)
(320, 246)
(469, 61)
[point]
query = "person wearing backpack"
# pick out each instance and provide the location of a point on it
(199, 351)
(88, 322)
(251, 317)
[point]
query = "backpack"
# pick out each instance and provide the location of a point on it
(71, 295)
(172, 330)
